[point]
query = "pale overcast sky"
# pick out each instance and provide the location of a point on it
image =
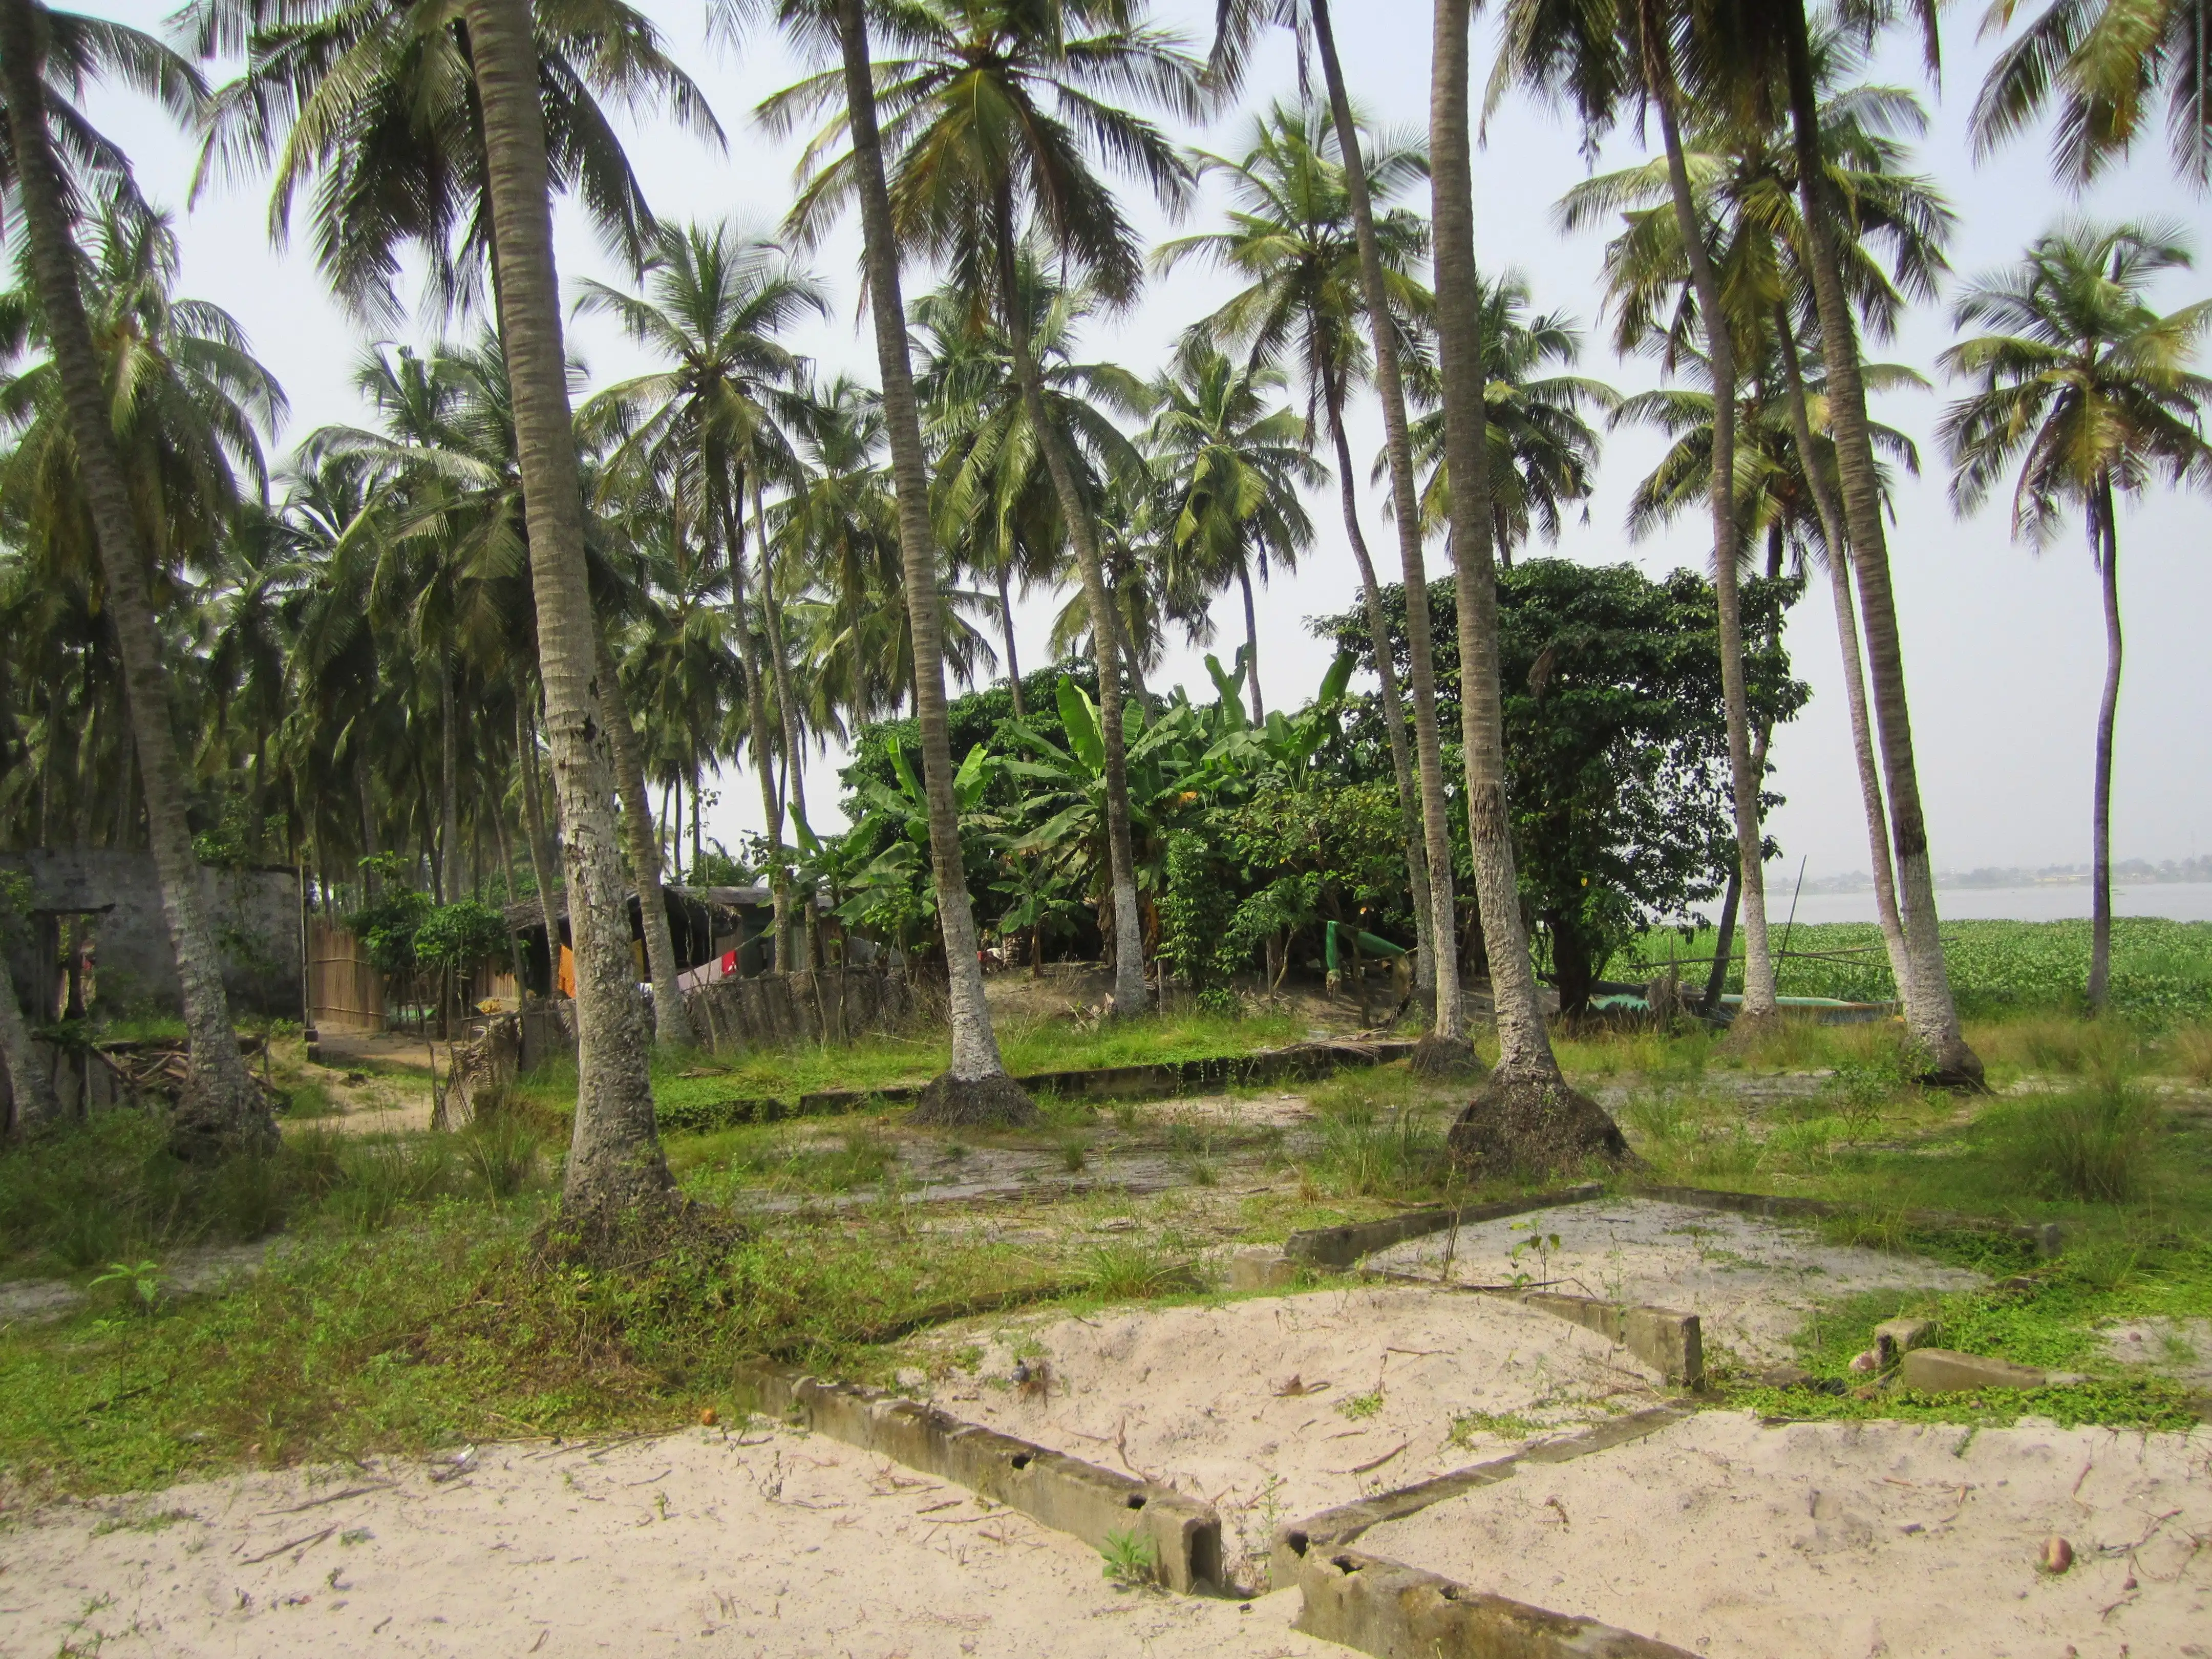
(2003, 647)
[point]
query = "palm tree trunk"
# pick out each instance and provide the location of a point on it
(786, 698)
(1394, 713)
(449, 792)
(1129, 993)
(614, 1156)
(977, 1081)
(754, 686)
(221, 1107)
(541, 861)
(1929, 1009)
(1006, 624)
(1448, 1034)
(1251, 641)
(671, 1022)
(1758, 1004)
(1847, 638)
(1524, 1053)
(2108, 709)
(507, 892)
(28, 1082)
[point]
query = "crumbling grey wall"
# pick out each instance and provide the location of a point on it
(255, 914)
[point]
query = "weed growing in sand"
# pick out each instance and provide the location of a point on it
(1358, 1407)
(1131, 1558)
(1506, 1425)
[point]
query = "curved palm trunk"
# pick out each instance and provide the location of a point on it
(1524, 1047)
(977, 1077)
(1449, 1033)
(1006, 627)
(786, 697)
(28, 1082)
(1744, 778)
(1251, 641)
(753, 685)
(1129, 992)
(1929, 1009)
(2108, 709)
(614, 1154)
(1847, 638)
(1394, 715)
(672, 1021)
(541, 861)
(449, 789)
(222, 1107)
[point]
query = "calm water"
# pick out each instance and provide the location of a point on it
(2179, 901)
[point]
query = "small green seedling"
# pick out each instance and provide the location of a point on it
(144, 1279)
(1543, 1244)
(1131, 1558)
(1359, 1406)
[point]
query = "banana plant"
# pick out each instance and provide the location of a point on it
(885, 858)
(1285, 747)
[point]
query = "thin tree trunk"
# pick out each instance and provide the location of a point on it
(30, 1083)
(614, 1158)
(370, 847)
(976, 1058)
(671, 1022)
(221, 1108)
(506, 890)
(1251, 642)
(786, 697)
(1929, 1009)
(541, 861)
(2108, 709)
(1524, 1047)
(1394, 713)
(1759, 1002)
(754, 686)
(449, 793)
(1450, 1029)
(1847, 638)
(1013, 662)
(1129, 992)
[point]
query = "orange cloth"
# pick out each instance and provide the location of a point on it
(567, 978)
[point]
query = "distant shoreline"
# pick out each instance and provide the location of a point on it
(2135, 872)
(2039, 901)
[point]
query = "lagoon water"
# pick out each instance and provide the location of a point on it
(2179, 901)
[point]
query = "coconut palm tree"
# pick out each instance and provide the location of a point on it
(1238, 23)
(1291, 235)
(2105, 63)
(614, 1159)
(997, 124)
(1229, 468)
(706, 428)
(47, 59)
(2087, 390)
(975, 1086)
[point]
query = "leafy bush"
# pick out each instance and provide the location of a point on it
(2090, 1144)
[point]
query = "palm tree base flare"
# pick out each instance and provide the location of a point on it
(615, 1234)
(1535, 1127)
(1451, 1059)
(211, 1124)
(947, 1101)
(1749, 1029)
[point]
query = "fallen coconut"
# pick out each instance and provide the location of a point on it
(2057, 1555)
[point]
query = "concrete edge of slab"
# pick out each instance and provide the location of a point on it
(1332, 1530)
(2047, 1237)
(1340, 1247)
(1396, 1611)
(1094, 1504)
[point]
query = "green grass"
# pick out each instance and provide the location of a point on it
(2162, 969)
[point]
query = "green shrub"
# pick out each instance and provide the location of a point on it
(2090, 1144)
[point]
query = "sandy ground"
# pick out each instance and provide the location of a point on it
(1750, 1281)
(766, 1543)
(2179, 1348)
(1844, 1541)
(1203, 1398)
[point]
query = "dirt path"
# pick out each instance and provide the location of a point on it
(765, 1543)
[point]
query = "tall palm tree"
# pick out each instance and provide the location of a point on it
(1778, 44)
(975, 1086)
(1290, 235)
(614, 1158)
(707, 429)
(997, 125)
(1229, 468)
(47, 58)
(2089, 391)
(1445, 1049)
(2104, 63)
(1603, 55)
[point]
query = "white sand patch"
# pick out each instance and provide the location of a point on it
(1838, 1540)
(790, 1546)
(1750, 1281)
(2179, 1348)
(1196, 1396)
